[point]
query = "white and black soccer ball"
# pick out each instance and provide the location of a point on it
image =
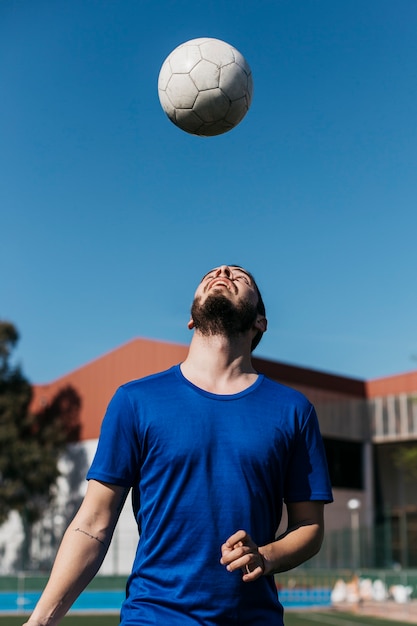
(205, 86)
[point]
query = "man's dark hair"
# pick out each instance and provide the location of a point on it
(261, 310)
(260, 307)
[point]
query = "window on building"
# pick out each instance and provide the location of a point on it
(345, 460)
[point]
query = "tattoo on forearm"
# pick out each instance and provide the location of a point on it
(84, 532)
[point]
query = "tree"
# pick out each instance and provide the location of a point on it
(15, 397)
(30, 443)
(405, 457)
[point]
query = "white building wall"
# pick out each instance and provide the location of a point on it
(122, 549)
(11, 538)
(48, 532)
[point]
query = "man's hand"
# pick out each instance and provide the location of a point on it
(241, 552)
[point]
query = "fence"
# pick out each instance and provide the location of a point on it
(301, 587)
(377, 547)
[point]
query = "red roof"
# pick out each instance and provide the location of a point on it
(392, 385)
(97, 381)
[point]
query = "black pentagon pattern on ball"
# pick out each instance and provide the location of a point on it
(205, 87)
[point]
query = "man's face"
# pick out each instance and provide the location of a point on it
(225, 302)
(230, 280)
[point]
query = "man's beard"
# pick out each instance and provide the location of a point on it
(217, 315)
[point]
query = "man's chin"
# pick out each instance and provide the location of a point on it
(218, 314)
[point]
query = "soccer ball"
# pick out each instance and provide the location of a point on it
(205, 86)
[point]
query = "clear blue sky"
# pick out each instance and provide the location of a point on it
(110, 214)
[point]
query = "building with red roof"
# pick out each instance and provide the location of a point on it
(366, 427)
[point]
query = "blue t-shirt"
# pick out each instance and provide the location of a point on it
(202, 466)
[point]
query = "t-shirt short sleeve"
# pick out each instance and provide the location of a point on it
(117, 458)
(307, 476)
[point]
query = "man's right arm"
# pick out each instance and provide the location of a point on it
(83, 548)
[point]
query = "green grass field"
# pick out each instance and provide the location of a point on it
(313, 618)
(71, 620)
(293, 618)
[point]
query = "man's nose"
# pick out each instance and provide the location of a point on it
(224, 270)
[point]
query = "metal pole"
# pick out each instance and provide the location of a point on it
(354, 505)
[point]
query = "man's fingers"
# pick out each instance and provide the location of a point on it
(237, 561)
(239, 539)
(243, 559)
(234, 552)
(252, 574)
(239, 536)
(239, 552)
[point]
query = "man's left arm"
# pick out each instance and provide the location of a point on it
(301, 541)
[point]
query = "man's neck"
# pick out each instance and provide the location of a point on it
(219, 365)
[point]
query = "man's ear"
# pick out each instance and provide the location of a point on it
(190, 324)
(261, 323)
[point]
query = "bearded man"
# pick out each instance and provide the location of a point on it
(211, 450)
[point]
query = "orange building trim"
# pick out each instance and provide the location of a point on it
(392, 385)
(97, 381)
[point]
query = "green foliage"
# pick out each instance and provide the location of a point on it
(30, 444)
(405, 457)
(15, 397)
